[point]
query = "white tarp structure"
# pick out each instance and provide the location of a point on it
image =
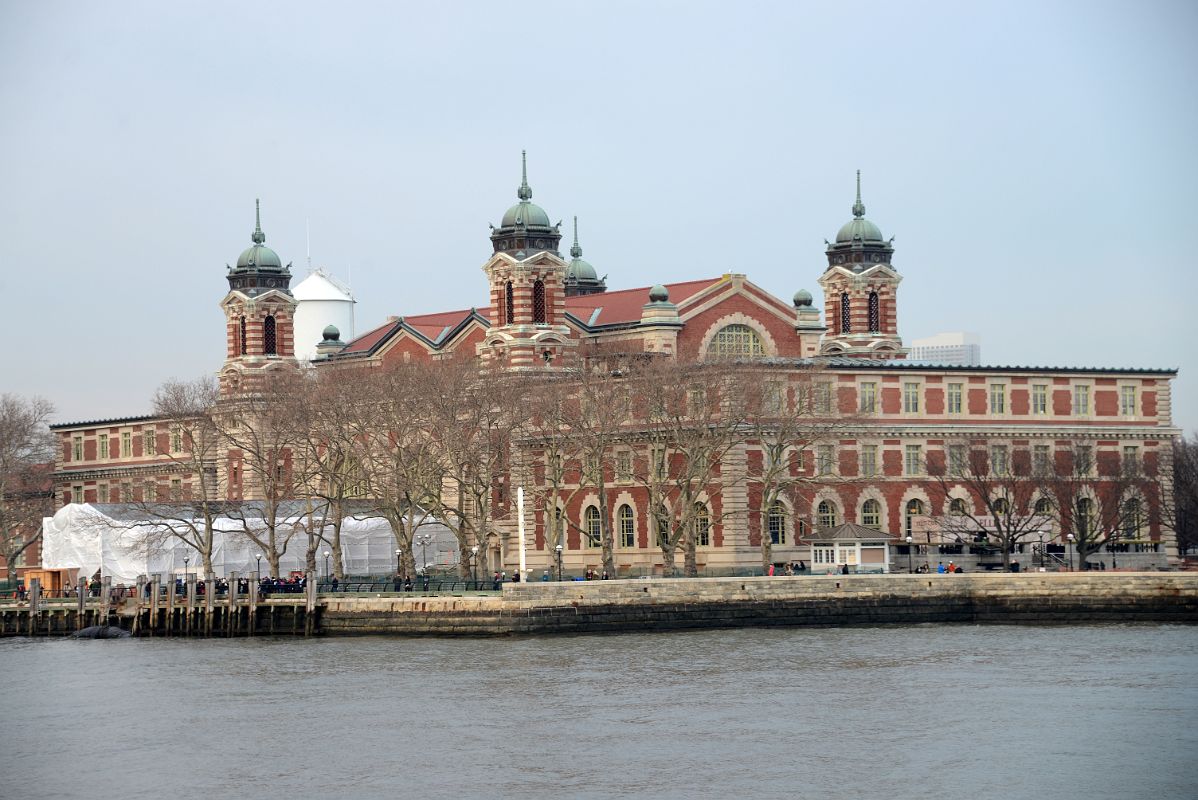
(111, 538)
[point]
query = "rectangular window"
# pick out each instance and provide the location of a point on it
(914, 459)
(998, 398)
(911, 398)
(1127, 401)
(955, 392)
(1039, 398)
(697, 400)
(177, 440)
(1040, 457)
(773, 397)
(126, 445)
(176, 489)
(1081, 401)
(150, 446)
(999, 461)
(102, 493)
(1131, 460)
(823, 459)
(956, 459)
(869, 460)
(1083, 459)
(149, 493)
(76, 494)
(126, 493)
(627, 529)
(77, 449)
(823, 398)
(659, 462)
(102, 446)
(869, 398)
(623, 464)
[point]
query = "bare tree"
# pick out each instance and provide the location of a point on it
(1181, 515)
(264, 432)
(1002, 491)
(786, 421)
(1101, 500)
(26, 460)
(692, 416)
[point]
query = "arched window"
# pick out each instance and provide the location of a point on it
(243, 336)
(590, 524)
(871, 514)
(825, 514)
(735, 341)
(702, 526)
(269, 343)
(1001, 506)
(914, 509)
(538, 302)
(627, 526)
(875, 314)
(776, 522)
(509, 304)
(846, 316)
(957, 507)
(1085, 517)
(1133, 518)
(1043, 506)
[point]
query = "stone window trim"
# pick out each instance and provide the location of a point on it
(768, 345)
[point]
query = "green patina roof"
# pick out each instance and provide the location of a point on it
(859, 228)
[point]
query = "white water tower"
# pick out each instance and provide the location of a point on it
(321, 301)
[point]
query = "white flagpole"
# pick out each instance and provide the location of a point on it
(520, 519)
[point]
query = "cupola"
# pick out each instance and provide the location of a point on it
(524, 228)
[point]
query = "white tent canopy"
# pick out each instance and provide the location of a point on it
(111, 538)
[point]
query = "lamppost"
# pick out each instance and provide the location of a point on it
(424, 540)
(1041, 549)
(258, 557)
(559, 563)
(474, 564)
(1070, 537)
(398, 562)
(186, 561)
(910, 549)
(326, 566)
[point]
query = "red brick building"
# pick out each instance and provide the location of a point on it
(540, 307)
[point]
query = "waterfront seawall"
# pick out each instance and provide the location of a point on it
(649, 605)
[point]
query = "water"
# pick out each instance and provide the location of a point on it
(923, 711)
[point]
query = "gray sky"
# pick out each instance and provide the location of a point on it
(1035, 161)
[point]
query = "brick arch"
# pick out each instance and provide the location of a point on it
(767, 341)
(626, 499)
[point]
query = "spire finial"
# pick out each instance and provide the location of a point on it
(258, 237)
(576, 251)
(858, 208)
(525, 191)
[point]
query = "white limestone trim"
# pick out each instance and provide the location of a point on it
(832, 496)
(874, 493)
(626, 499)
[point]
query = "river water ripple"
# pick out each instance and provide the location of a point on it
(930, 711)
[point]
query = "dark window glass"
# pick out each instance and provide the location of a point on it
(268, 337)
(538, 302)
(846, 319)
(875, 315)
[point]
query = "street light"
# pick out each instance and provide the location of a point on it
(910, 568)
(326, 566)
(474, 564)
(424, 540)
(258, 556)
(559, 563)
(186, 561)
(1070, 537)
(398, 562)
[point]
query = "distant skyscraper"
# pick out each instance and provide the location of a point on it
(949, 348)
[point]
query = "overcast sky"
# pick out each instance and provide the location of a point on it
(1036, 162)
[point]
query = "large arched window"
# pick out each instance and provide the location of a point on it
(875, 313)
(1043, 506)
(776, 522)
(1002, 507)
(702, 526)
(538, 302)
(915, 508)
(591, 526)
(846, 314)
(735, 341)
(270, 344)
(509, 304)
(1133, 518)
(825, 514)
(957, 507)
(871, 514)
(627, 526)
(243, 336)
